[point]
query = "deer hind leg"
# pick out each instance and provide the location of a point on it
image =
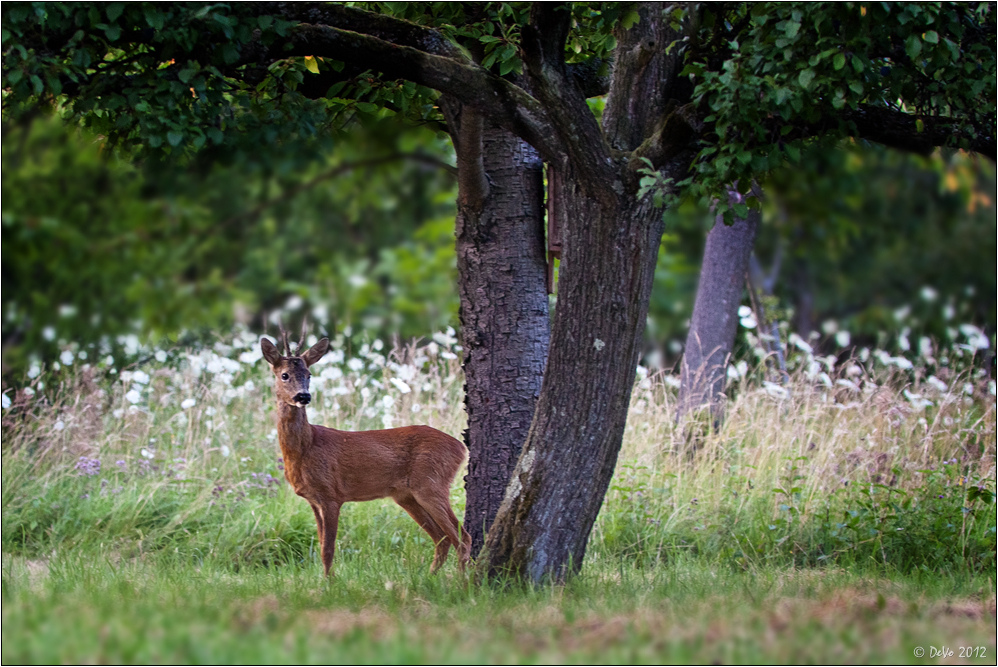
(438, 507)
(330, 521)
(440, 540)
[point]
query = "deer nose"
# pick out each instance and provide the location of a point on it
(303, 397)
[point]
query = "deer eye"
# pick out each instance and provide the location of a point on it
(285, 376)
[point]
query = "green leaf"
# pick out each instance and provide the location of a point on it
(932, 37)
(856, 87)
(174, 137)
(114, 10)
(112, 32)
(919, 125)
(154, 18)
(839, 61)
(805, 78)
(186, 74)
(630, 20)
(913, 46)
(791, 28)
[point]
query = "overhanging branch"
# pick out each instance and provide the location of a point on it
(918, 133)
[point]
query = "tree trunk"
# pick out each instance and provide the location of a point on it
(715, 317)
(609, 250)
(505, 325)
(569, 457)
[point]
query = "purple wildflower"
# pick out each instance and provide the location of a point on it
(87, 466)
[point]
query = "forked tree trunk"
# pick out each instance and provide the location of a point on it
(715, 317)
(609, 251)
(505, 324)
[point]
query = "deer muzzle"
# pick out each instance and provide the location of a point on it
(302, 399)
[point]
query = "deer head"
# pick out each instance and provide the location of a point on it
(291, 371)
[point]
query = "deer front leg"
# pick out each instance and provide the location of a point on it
(330, 521)
(318, 520)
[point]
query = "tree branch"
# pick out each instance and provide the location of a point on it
(898, 129)
(543, 43)
(502, 102)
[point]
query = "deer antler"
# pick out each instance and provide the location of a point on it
(304, 334)
(284, 339)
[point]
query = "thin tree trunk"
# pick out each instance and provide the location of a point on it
(715, 317)
(505, 325)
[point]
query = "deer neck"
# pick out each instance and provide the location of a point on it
(293, 430)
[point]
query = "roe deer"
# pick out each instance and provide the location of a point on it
(413, 465)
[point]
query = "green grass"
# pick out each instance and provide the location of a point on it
(833, 525)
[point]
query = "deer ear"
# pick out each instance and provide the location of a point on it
(316, 352)
(270, 352)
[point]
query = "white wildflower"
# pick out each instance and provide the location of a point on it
(775, 390)
(224, 450)
(848, 384)
(188, 403)
(929, 294)
(48, 333)
(160, 356)
(902, 363)
(355, 364)
(6, 401)
(916, 400)
(67, 357)
(401, 385)
(133, 396)
(140, 377)
(938, 384)
(59, 425)
(975, 337)
(146, 453)
(387, 401)
(842, 338)
(34, 371)
(800, 343)
(903, 343)
(416, 408)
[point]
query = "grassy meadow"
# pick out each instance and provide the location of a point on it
(846, 516)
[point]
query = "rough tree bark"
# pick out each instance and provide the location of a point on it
(608, 259)
(505, 326)
(715, 317)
